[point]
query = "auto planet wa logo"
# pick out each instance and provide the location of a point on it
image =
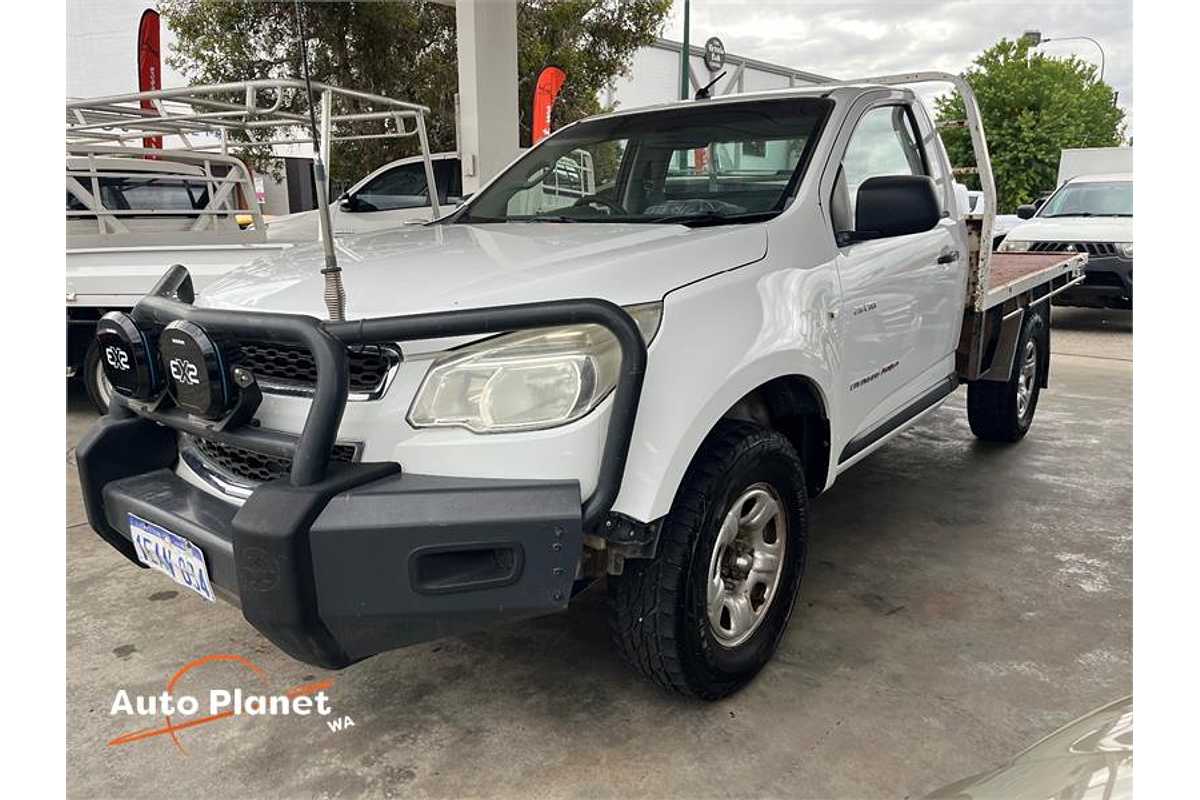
(181, 711)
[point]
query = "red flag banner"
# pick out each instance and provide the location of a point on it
(149, 64)
(549, 83)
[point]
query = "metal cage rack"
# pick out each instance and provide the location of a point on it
(194, 133)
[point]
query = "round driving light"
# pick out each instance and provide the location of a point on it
(197, 369)
(128, 356)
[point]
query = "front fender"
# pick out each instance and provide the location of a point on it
(720, 339)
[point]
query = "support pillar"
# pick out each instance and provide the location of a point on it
(487, 88)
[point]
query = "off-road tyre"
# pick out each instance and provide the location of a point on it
(658, 606)
(993, 408)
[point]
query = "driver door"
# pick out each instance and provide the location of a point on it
(901, 295)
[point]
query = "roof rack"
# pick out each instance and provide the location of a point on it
(200, 119)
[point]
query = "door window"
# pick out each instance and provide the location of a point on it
(404, 186)
(884, 143)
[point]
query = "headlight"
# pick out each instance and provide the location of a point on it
(1125, 249)
(1011, 245)
(527, 380)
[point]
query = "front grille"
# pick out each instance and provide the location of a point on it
(293, 366)
(1091, 248)
(251, 465)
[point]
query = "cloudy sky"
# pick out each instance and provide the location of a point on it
(855, 38)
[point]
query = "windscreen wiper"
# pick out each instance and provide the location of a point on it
(469, 219)
(1072, 214)
(711, 219)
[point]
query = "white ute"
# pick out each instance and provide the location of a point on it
(647, 383)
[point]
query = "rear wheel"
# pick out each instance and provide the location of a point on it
(706, 613)
(1003, 412)
(99, 390)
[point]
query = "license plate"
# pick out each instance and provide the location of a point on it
(171, 555)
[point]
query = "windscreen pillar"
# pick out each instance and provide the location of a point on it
(487, 88)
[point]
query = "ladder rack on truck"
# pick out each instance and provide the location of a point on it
(202, 124)
(1001, 287)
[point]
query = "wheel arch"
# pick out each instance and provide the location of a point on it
(795, 406)
(795, 402)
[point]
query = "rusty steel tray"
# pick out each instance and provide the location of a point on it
(1010, 274)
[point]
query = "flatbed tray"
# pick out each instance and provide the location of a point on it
(1010, 274)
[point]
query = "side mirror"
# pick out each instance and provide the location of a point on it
(1026, 211)
(893, 205)
(346, 202)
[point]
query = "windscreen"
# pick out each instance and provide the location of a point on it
(1091, 199)
(715, 162)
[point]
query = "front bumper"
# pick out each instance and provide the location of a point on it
(364, 561)
(1107, 283)
(338, 562)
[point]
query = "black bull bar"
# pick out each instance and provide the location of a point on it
(305, 571)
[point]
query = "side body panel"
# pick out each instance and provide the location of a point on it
(721, 339)
(890, 301)
(902, 297)
(725, 336)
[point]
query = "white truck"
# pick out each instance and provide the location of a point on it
(647, 384)
(135, 206)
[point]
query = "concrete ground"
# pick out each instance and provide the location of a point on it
(962, 600)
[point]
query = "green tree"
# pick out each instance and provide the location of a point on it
(1033, 106)
(407, 50)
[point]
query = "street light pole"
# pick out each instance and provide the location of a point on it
(1035, 39)
(685, 52)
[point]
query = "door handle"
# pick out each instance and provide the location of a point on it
(948, 258)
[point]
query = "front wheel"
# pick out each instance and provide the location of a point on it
(1003, 412)
(706, 613)
(99, 390)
